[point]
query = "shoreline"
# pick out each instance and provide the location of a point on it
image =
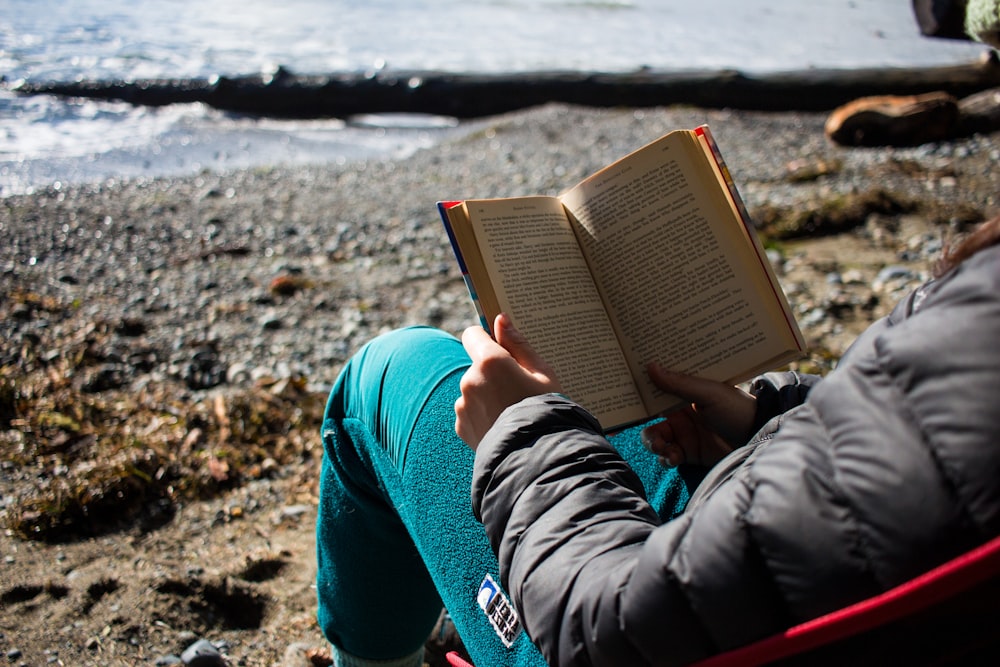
(198, 141)
(158, 310)
(254, 121)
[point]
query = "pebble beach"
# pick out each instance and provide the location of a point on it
(166, 345)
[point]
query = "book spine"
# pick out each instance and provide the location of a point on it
(727, 178)
(705, 135)
(443, 207)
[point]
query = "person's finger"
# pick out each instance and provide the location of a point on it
(676, 426)
(512, 340)
(673, 456)
(462, 423)
(657, 438)
(459, 414)
(478, 344)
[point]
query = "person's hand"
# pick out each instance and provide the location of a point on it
(503, 372)
(718, 419)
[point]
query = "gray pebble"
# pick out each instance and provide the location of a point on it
(203, 653)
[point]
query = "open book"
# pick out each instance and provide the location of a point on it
(653, 258)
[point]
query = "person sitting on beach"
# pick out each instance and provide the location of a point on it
(818, 492)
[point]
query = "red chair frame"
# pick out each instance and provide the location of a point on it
(949, 615)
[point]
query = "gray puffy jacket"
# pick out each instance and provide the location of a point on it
(889, 467)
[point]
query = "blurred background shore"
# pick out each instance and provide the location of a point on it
(47, 139)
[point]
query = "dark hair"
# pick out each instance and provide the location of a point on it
(986, 235)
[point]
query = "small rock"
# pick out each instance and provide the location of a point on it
(294, 511)
(812, 316)
(102, 378)
(204, 370)
(21, 312)
(272, 324)
(130, 326)
(286, 284)
(803, 170)
(777, 261)
(891, 274)
(203, 653)
(237, 373)
(303, 655)
(853, 277)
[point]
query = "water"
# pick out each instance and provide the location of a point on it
(44, 140)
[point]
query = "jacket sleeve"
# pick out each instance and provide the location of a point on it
(556, 499)
(594, 576)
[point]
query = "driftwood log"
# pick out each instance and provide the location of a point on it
(895, 120)
(286, 95)
(980, 112)
(911, 120)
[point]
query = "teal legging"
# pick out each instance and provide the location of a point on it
(396, 537)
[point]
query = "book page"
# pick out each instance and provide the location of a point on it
(676, 272)
(541, 279)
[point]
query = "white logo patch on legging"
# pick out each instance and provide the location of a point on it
(499, 610)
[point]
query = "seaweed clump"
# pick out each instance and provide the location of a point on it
(78, 462)
(831, 216)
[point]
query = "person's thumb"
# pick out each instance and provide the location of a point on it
(512, 340)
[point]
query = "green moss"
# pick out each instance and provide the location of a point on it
(59, 421)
